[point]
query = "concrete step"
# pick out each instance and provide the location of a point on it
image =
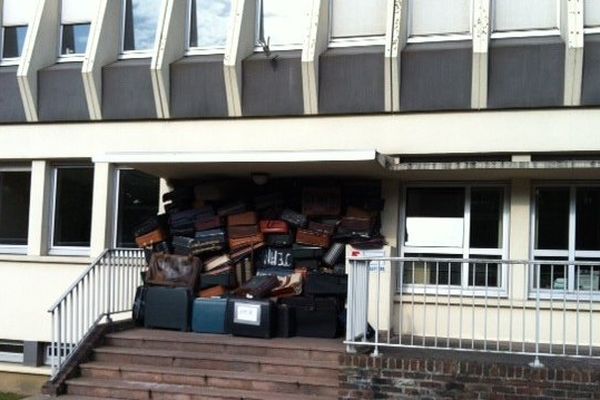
(105, 388)
(213, 378)
(296, 347)
(223, 362)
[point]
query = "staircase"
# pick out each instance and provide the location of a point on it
(155, 364)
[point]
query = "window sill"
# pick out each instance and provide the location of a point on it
(10, 62)
(135, 55)
(45, 259)
(356, 42)
(22, 369)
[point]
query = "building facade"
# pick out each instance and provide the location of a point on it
(478, 117)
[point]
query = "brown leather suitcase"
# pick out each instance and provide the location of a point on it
(245, 241)
(312, 238)
(326, 229)
(149, 239)
(239, 231)
(322, 201)
(245, 251)
(356, 224)
(245, 218)
(173, 271)
(274, 226)
(215, 291)
(359, 212)
(211, 223)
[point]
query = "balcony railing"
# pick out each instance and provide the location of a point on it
(105, 288)
(549, 308)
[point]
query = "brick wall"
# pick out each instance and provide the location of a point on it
(404, 376)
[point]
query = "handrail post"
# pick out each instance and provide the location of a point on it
(536, 362)
(350, 310)
(108, 266)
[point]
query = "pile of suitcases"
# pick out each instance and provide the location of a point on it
(263, 267)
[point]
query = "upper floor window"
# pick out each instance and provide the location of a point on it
(356, 21)
(591, 15)
(282, 23)
(209, 24)
(512, 18)
(140, 25)
(15, 186)
(567, 229)
(16, 15)
(76, 17)
(439, 20)
(455, 221)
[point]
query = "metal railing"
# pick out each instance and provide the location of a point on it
(107, 287)
(547, 307)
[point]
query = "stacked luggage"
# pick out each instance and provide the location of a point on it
(263, 266)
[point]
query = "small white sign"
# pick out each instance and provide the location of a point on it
(248, 314)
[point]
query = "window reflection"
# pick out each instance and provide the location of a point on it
(14, 39)
(283, 21)
(74, 38)
(358, 18)
(14, 207)
(209, 23)
(141, 20)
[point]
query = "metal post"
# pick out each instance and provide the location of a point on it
(536, 363)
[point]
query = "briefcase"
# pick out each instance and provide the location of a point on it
(232, 208)
(315, 316)
(258, 287)
(334, 254)
(208, 224)
(326, 229)
(304, 252)
(173, 270)
(274, 226)
(294, 218)
(323, 284)
(312, 238)
(252, 318)
(245, 251)
(215, 291)
(210, 316)
(209, 247)
(151, 238)
(216, 262)
(284, 240)
(139, 305)
(321, 201)
(290, 285)
(240, 231)
(244, 270)
(223, 276)
(245, 241)
(149, 225)
(286, 321)
(182, 245)
(212, 235)
(275, 257)
(167, 308)
(357, 224)
(245, 218)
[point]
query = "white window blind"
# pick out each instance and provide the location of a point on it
(439, 17)
(285, 22)
(358, 18)
(592, 13)
(18, 12)
(519, 15)
(78, 11)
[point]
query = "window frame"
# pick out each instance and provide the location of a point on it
(115, 217)
(570, 254)
(589, 29)
(525, 32)
(10, 61)
(435, 38)
(132, 54)
(16, 248)
(272, 47)
(466, 252)
(64, 250)
(199, 50)
(353, 41)
(74, 57)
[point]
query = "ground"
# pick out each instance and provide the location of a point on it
(10, 396)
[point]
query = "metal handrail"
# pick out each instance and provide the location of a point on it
(105, 288)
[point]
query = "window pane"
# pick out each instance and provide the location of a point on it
(14, 207)
(285, 22)
(552, 276)
(138, 200)
(432, 272)
(78, 11)
(587, 277)
(209, 23)
(14, 39)
(592, 13)
(356, 18)
(18, 12)
(518, 15)
(141, 20)
(587, 236)
(486, 218)
(552, 219)
(484, 274)
(74, 38)
(435, 217)
(439, 17)
(73, 206)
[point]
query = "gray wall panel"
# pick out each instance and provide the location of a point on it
(127, 90)
(526, 72)
(272, 86)
(61, 96)
(11, 105)
(590, 90)
(351, 80)
(198, 87)
(436, 76)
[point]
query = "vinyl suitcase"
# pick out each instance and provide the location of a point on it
(252, 318)
(315, 316)
(286, 321)
(167, 308)
(322, 284)
(210, 316)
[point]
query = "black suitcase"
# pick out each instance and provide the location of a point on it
(223, 277)
(139, 305)
(253, 318)
(286, 321)
(322, 284)
(168, 308)
(315, 316)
